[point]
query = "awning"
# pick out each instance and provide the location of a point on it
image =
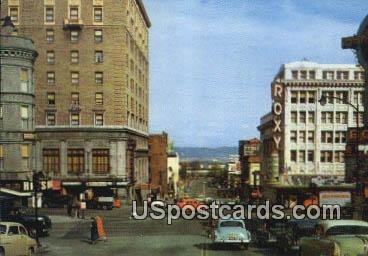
(15, 193)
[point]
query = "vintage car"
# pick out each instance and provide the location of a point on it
(15, 240)
(232, 231)
(337, 237)
(267, 231)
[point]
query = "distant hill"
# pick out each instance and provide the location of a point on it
(206, 154)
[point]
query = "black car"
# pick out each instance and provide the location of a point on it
(288, 241)
(28, 219)
(267, 231)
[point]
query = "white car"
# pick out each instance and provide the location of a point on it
(232, 231)
(15, 240)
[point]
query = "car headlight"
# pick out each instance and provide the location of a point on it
(40, 219)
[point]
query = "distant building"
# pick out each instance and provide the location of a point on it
(158, 164)
(17, 109)
(249, 161)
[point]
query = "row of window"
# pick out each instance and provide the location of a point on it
(98, 119)
(302, 97)
(327, 117)
(327, 75)
(326, 136)
(74, 78)
(74, 35)
(74, 57)
(24, 150)
(51, 98)
(76, 161)
(74, 14)
(326, 156)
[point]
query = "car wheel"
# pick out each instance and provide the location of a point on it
(30, 252)
(2, 252)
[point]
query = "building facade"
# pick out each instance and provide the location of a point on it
(302, 141)
(17, 108)
(91, 81)
(158, 164)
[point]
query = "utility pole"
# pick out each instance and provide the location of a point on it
(36, 189)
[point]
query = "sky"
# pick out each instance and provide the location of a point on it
(212, 61)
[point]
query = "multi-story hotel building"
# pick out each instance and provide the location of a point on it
(91, 80)
(302, 140)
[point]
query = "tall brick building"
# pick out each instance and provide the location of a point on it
(91, 80)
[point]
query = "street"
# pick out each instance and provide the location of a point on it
(126, 236)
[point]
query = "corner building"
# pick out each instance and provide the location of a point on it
(91, 80)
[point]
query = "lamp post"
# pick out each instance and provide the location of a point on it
(356, 173)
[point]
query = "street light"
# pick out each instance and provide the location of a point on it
(356, 173)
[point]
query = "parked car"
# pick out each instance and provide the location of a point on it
(232, 231)
(288, 241)
(337, 237)
(27, 218)
(15, 240)
(267, 231)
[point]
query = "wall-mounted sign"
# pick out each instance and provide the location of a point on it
(277, 109)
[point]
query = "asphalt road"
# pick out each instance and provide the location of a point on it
(126, 236)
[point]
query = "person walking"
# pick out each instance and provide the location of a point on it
(94, 231)
(69, 207)
(100, 229)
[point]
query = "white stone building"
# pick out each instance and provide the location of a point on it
(309, 139)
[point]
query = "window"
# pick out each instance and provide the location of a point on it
(358, 75)
(98, 56)
(51, 77)
(24, 116)
(312, 74)
(98, 35)
(310, 117)
(13, 230)
(294, 74)
(339, 156)
(302, 97)
(97, 14)
(75, 98)
(75, 161)
(14, 14)
(1, 116)
(75, 119)
(74, 13)
(326, 136)
(50, 55)
(303, 74)
(74, 57)
(74, 35)
(294, 97)
(343, 96)
(329, 95)
(294, 117)
(99, 98)
(311, 136)
(302, 116)
(329, 75)
(311, 97)
(340, 137)
(360, 118)
(99, 119)
(100, 161)
(99, 78)
(50, 35)
(293, 155)
(328, 116)
(301, 156)
(341, 117)
(293, 137)
(23, 231)
(51, 160)
(50, 119)
(24, 80)
(310, 156)
(49, 14)
(358, 98)
(24, 151)
(75, 78)
(326, 156)
(342, 75)
(51, 98)
(302, 136)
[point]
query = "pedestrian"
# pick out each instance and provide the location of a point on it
(94, 231)
(69, 207)
(100, 229)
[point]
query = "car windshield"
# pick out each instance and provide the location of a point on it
(2, 229)
(347, 230)
(236, 224)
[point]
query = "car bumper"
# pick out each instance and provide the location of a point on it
(233, 241)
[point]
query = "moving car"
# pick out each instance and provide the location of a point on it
(289, 240)
(337, 237)
(232, 231)
(15, 240)
(268, 230)
(28, 219)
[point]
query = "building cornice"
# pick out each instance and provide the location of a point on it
(321, 83)
(144, 13)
